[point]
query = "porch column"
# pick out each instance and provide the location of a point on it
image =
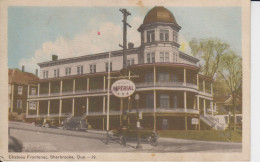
(198, 102)
(185, 101)
(203, 85)
(87, 84)
(154, 99)
(60, 108)
(38, 108)
(211, 86)
(184, 76)
(38, 89)
(198, 81)
(73, 86)
(49, 88)
(73, 106)
(49, 104)
(27, 107)
(61, 86)
(28, 91)
(211, 106)
(104, 85)
(104, 104)
(204, 106)
(87, 106)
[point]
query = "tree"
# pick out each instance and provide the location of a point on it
(210, 51)
(231, 71)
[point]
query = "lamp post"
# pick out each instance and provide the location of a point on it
(138, 146)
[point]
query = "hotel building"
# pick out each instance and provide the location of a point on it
(173, 94)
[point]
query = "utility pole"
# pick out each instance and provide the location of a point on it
(125, 24)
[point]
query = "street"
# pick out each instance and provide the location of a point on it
(37, 139)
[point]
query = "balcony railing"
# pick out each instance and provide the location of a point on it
(50, 115)
(166, 84)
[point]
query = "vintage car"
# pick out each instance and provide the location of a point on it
(75, 123)
(46, 122)
(131, 133)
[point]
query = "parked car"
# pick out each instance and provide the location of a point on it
(131, 132)
(46, 122)
(75, 123)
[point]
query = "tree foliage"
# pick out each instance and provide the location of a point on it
(210, 51)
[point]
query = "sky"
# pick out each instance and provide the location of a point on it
(35, 33)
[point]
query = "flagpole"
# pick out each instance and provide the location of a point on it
(108, 97)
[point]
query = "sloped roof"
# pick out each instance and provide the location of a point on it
(19, 77)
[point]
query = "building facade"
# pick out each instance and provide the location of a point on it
(173, 95)
(18, 92)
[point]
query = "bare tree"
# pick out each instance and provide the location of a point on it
(210, 51)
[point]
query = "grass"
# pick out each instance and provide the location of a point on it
(203, 135)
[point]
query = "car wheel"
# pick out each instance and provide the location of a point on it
(150, 138)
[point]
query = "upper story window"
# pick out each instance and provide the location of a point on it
(92, 68)
(108, 67)
(149, 77)
(130, 62)
(68, 71)
(164, 35)
(33, 91)
(164, 56)
(175, 36)
(150, 35)
(150, 57)
(45, 74)
(163, 77)
(79, 69)
(20, 90)
(56, 73)
(164, 101)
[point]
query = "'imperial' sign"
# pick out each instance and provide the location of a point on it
(123, 88)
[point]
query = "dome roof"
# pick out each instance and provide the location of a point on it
(159, 14)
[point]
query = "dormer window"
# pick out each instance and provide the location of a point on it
(150, 36)
(164, 35)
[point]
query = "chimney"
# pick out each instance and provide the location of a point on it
(130, 45)
(23, 68)
(36, 72)
(54, 57)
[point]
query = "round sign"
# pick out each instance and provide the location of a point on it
(123, 88)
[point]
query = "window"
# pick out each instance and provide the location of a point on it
(164, 35)
(163, 77)
(150, 36)
(56, 73)
(130, 62)
(150, 57)
(67, 71)
(175, 101)
(20, 90)
(93, 68)
(175, 78)
(33, 91)
(107, 66)
(9, 88)
(164, 101)
(80, 70)
(164, 56)
(19, 104)
(45, 74)
(32, 105)
(149, 77)
(175, 36)
(149, 100)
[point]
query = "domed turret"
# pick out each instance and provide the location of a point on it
(159, 14)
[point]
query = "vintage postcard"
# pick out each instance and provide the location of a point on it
(139, 80)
